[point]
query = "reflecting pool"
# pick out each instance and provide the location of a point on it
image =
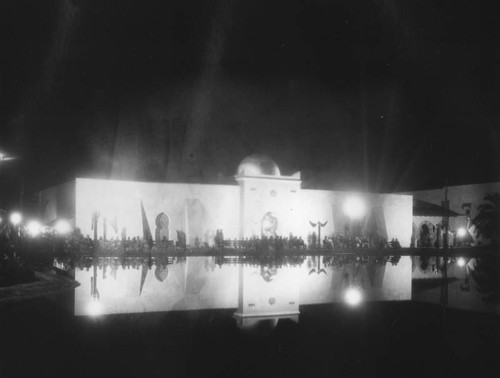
(331, 315)
(253, 289)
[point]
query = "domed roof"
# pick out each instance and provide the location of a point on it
(161, 273)
(258, 165)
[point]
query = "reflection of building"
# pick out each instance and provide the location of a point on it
(267, 293)
(261, 202)
(253, 293)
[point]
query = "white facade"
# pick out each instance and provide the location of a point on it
(262, 201)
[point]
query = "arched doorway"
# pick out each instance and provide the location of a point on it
(162, 231)
(425, 234)
(269, 225)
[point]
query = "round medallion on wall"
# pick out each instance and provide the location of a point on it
(272, 301)
(273, 193)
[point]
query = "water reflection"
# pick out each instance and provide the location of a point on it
(470, 283)
(263, 290)
(257, 288)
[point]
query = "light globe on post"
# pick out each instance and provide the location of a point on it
(461, 232)
(94, 307)
(353, 296)
(62, 227)
(16, 218)
(461, 262)
(354, 207)
(34, 228)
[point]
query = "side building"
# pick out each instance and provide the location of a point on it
(463, 202)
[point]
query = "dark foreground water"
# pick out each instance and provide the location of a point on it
(310, 316)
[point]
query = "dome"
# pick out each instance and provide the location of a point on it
(161, 273)
(258, 165)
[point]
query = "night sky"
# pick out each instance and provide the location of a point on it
(370, 95)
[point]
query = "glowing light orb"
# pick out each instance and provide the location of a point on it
(62, 227)
(34, 228)
(16, 218)
(461, 262)
(354, 207)
(353, 296)
(94, 308)
(461, 232)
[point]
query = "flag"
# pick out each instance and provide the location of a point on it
(146, 231)
(114, 224)
(181, 238)
(144, 273)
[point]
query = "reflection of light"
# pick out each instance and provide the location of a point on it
(354, 207)
(94, 308)
(34, 227)
(62, 227)
(461, 262)
(353, 296)
(16, 218)
(461, 232)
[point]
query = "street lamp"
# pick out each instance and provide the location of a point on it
(320, 225)
(319, 270)
(94, 307)
(353, 296)
(62, 227)
(461, 262)
(16, 218)
(34, 228)
(461, 232)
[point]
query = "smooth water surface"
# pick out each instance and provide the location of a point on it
(248, 316)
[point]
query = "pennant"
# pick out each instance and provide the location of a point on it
(114, 224)
(181, 238)
(146, 231)
(144, 273)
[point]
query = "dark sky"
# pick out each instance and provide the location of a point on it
(367, 94)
